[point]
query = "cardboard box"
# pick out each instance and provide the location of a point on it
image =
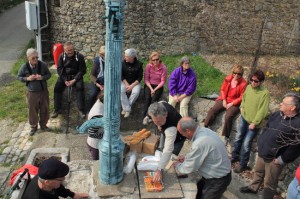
(150, 144)
(137, 147)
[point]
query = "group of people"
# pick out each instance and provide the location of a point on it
(182, 83)
(72, 67)
(278, 142)
(208, 155)
(35, 73)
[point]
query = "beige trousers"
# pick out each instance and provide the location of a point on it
(184, 105)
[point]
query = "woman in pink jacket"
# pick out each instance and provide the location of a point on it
(155, 76)
(230, 99)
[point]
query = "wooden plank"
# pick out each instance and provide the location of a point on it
(172, 188)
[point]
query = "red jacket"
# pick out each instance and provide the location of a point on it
(240, 88)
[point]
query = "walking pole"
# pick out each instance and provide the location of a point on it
(69, 106)
(16, 185)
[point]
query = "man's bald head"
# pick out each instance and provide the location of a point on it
(187, 127)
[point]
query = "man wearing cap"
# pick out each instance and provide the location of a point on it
(47, 184)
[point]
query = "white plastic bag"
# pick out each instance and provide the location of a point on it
(149, 163)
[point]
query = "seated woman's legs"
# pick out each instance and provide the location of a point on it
(172, 101)
(230, 114)
(213, 112)
(134, 94)
(124, 99)
(184, 106)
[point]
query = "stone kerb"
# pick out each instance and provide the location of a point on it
(62, 153)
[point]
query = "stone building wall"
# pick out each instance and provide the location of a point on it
(179, 26)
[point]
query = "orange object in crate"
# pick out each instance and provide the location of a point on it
(150, 185)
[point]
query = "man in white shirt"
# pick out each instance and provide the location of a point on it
(208, 156)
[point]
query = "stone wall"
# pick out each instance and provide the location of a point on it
(179, 26)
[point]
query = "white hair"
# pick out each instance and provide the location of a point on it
(31, 51)
(131, 52)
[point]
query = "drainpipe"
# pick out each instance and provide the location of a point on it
(39, 36)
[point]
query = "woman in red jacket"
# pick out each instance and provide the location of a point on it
(230, 98)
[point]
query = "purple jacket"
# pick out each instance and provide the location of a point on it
(180, 83)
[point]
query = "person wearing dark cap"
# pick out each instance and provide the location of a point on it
(48, 183)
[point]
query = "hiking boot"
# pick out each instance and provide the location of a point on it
(247, 190)
(55, 114)
(240, 169)
(45, 128)
(32, 131)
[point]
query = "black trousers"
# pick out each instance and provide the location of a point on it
(212, 188)
(58, 93)
(150, 99)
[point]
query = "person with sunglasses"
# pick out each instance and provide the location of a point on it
(155, 76)
(254, 109)
(48, 183)
(229, 100)
(35, 74)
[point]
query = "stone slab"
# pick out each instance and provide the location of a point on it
(59, 152)
(124, 188)
(79, 178)
(172, 188)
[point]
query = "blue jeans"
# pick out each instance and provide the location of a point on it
(243, 142)
(94, 91)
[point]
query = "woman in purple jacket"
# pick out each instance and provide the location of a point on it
(182, 85)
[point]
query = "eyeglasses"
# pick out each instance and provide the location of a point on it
(287, 104)
(155, 60)
(34, 57)
(255, 81)
(235, 73)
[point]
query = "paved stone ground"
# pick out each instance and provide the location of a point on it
(20, 144)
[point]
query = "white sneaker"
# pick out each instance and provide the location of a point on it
(126, 114)
(123, 112)
(146, 120)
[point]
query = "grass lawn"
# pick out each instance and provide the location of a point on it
(12, 95)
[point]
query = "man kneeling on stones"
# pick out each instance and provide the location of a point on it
(48, 183)
(207, 156)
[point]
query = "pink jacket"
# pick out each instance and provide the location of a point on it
(156, 76)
